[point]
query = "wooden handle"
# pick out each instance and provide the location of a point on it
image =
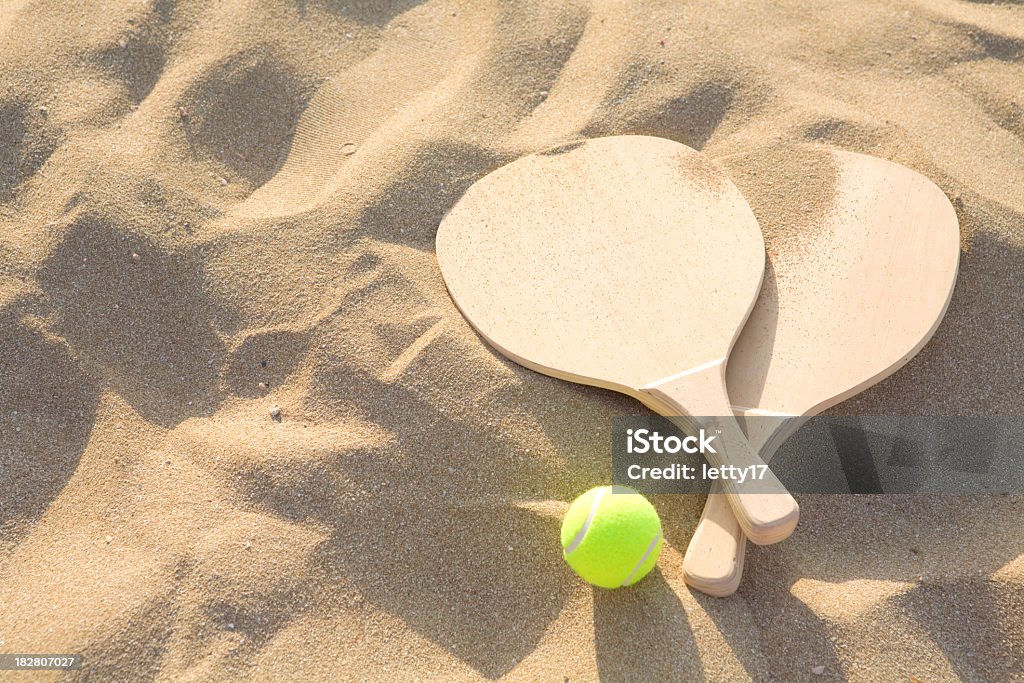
(713, 563)
(764, 509)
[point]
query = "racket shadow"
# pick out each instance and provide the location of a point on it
(916, 572)
(767, 307)
(794, 638)
(976, 638)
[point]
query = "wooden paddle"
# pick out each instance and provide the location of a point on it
(863, 257)
(629, 263)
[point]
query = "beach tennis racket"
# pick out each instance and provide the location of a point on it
(628, 263)
(863, 256)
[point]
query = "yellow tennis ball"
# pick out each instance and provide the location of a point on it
(611, 536)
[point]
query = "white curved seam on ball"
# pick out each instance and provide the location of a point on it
(650, 549)
(586, 525)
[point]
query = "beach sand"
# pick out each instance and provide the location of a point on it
(212, 209)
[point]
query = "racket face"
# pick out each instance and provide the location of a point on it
(614, 262)
(862, 259)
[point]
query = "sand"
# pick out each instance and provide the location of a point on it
(197, 198)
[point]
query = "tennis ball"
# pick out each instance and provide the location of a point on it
(611, 539)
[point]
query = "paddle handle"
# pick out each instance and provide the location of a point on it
(764, 509)
(713, 563)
